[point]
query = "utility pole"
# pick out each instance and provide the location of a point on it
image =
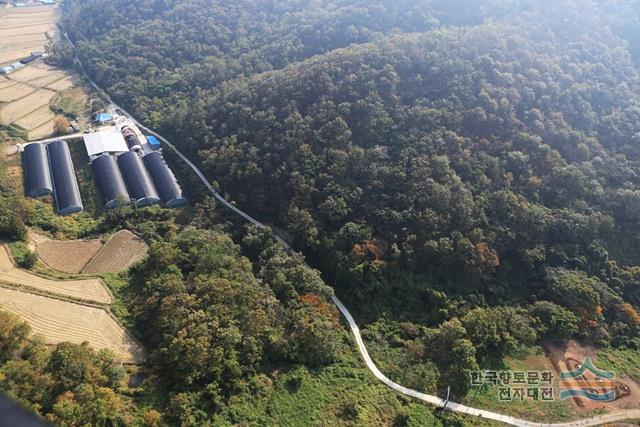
(446, 401)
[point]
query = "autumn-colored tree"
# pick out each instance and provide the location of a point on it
(627, 314)
(61, 125)
(486, 258)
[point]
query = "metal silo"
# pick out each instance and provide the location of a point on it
(37, 176)
(137, 179)
(110, 183)
(164, 180)
(65, 185)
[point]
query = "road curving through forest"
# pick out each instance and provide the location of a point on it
(434, 400)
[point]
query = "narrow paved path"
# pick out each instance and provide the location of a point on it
(457, 407)
(55, 138)
(434, 400)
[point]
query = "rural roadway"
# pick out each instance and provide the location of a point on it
(434, 400)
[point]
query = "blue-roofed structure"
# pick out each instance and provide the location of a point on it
(103, 118)
(153, 142)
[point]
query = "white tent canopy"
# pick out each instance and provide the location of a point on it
(108, 141)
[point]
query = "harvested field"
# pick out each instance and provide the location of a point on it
(37, 118)
(4, 83)
(41, 132)
(14, 53)
(121, 251)
(58, 321)
(32, 72)
(15, 91)
(44, 81)
(14, 111)
(89, 289)
(69, 256)
(29, 29)
(61, 85)
(22, 31)
(29, 38)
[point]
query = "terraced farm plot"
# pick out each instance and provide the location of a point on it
(57, 321)
(93, 290)
(61, 85)
(22, 31)
(18, 109)
(13, 53)
(121, 251)
(15, 91)
(41, 132)
(69, 256)
(4, 83)
(32, 72)
(29, 38)
(44, 81)
(37, 118)
(45, 28)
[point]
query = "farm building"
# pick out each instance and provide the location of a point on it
(103, 118)
(110, 183)
(65, 185)
(37, 176)
(164, 180)
(31, 58)
(137, 179)
(109, 141)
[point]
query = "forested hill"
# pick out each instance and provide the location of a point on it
(437, 160)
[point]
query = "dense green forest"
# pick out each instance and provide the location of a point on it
(464, 175)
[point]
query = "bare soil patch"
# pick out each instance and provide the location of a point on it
(58, 321)
(88, 289)
(121, 251)
(68, 256)
(571, 355)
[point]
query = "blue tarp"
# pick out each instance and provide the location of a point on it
(153, 140)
